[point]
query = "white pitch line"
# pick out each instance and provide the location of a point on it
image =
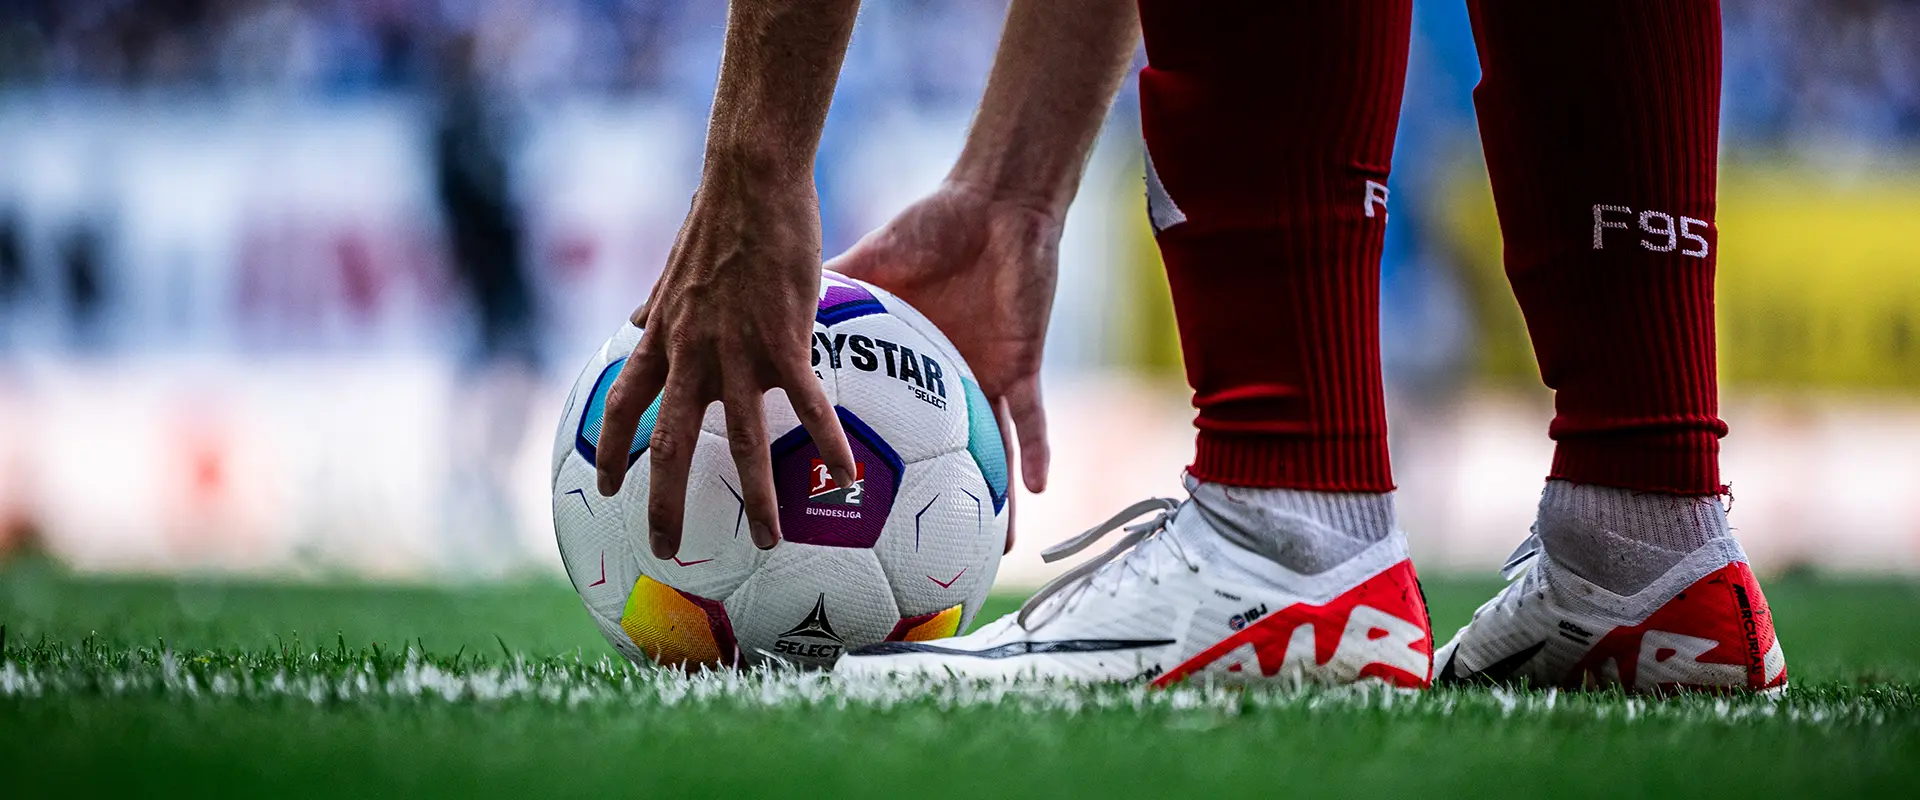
(608, 683)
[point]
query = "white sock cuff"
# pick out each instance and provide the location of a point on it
(1622, 540)
(1306, 531)
(1670, 522)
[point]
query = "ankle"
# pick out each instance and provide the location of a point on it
(1307, 532)
(1622, 540)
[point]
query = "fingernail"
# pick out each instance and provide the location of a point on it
(659, 543)
(762, 537)
(607, 485)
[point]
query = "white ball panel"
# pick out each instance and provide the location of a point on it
(919, 418)
(846, 582)
(779, 410)
(564, 433)
(774, 404)
(601, 558)
(990, 553)
(943, 530)
(716, 551)
(621, 344)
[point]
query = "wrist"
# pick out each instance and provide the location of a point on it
(755, 164)
(755, 209)
(993, 188)
(1043, 187)
(1034, 220)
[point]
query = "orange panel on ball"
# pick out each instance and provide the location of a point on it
(927, 627)
(677, 629)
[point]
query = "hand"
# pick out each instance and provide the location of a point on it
(983, 269)
(730, 318)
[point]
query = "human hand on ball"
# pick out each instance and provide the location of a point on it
(981, 267)
(730, 318)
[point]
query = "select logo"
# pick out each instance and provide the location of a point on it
(813, 638)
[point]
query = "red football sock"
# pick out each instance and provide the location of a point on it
(1601, 125)
(1270, 126)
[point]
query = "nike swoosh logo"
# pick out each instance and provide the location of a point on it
(1498, 672)
(1011, 649)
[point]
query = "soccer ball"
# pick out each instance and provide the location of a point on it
(906, 553)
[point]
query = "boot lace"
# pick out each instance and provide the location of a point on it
(1131, 554)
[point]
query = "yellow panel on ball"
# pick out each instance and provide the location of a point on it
(677, 629)
(927, 627)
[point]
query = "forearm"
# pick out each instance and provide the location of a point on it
(777, 74)
(1059, 64)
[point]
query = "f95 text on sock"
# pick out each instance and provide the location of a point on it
(1658, 230)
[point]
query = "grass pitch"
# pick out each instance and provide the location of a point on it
(158, 687)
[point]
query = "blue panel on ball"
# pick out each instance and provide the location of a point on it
(983, 443)
(587, 439)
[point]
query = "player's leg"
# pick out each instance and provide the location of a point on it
(1269, 130)
(1600, 125)
(1268, 149)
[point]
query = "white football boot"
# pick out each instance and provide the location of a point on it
(1702, 626)
(1174, 600)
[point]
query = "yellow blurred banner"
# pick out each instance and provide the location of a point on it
(1819, 281)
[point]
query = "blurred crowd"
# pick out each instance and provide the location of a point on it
(475, 81)
(1816, 70)
(344, 47)
(1796, 68)
(329, 46)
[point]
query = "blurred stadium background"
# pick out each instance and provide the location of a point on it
(295, 287)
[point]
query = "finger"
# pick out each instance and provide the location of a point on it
(1030, 420)
(1004, 418)
(639, 382)
(817, 415)
(747, 439)
(675, 435)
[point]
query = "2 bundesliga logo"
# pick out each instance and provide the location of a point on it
(813, 637)
(919, 371)
(823, 490)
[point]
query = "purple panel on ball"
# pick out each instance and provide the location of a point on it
(838, 293)
(814, 509)
(843, 300)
